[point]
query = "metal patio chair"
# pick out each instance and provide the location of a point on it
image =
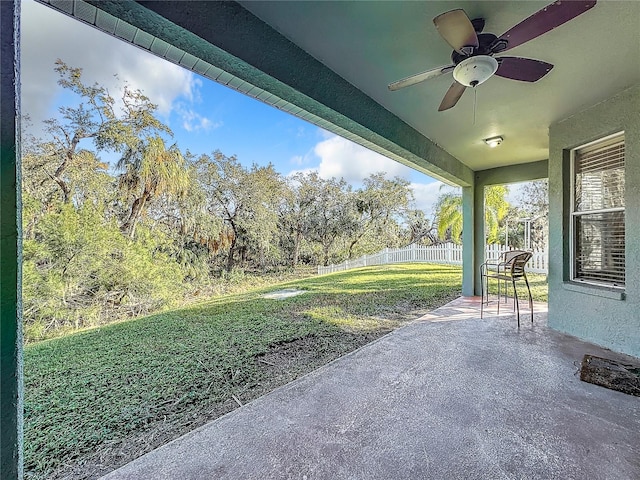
(510, 267)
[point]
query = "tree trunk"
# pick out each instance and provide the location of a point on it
(262, 257)
(57, 175)
(66, 197)
(296, 249)
(351, 245)
(232, 247)
(129, 226)
(230, 259)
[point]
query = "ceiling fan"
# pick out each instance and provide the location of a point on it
(473, 51)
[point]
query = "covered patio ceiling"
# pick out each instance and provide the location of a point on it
(331, 62)
(371, 44)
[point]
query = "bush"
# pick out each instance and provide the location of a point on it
(80, 271)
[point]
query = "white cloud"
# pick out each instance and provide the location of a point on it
(308, 158)
(322, 133)
(297, 160)
(47, 35)
(426, 195)
(192, 121)
(514, 197)
(342, 158)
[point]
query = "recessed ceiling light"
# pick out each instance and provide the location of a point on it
(493, 142)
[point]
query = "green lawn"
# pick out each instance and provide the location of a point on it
(537, 283)
(98, 398)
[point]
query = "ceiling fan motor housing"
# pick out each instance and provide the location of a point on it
(475, 70)
(473, 50)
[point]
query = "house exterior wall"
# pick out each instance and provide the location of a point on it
(604, 316)
(11, 395)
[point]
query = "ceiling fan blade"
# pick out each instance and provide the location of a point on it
(523, 69)
(543, 21)
(420, 77)
(456, 28)
(452, 96)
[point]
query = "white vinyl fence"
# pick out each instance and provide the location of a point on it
(447, 253)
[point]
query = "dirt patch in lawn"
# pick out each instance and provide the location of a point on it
(283, 363)
(288, 361)
(283, 294)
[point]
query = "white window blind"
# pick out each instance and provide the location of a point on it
(598, 212)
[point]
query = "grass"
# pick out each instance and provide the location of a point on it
(537, 283)
(96, 399)
(99, 398)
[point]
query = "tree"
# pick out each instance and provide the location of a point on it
(533, 199)
(247, 202)
(496, 208)
(296, 207)
(79, 270)
(449, 213)
(448, 216)
(195, 230)
(331, 214)
(261, 223)
(95, 119)
(419, 228)
(150, 170)
(377, 206)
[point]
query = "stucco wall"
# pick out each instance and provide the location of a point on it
(605, 317)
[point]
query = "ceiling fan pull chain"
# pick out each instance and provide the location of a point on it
(475, 102)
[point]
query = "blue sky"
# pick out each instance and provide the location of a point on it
(204, 116)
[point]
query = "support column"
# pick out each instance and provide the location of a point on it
(469, 239)
(473, 240)
(479, 245)
(11, 404)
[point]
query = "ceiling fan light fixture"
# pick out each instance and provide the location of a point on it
(473, 71)
(493, 142)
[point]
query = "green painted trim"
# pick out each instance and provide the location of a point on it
(522, 172)
(565, 207)
(234, 40)
(11, 395)
(604, 292)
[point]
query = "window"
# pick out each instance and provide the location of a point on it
(598, 212)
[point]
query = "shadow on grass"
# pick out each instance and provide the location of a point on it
(99, 398)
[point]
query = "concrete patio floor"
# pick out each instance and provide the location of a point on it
(447, 397)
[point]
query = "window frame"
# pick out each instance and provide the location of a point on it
(573, 214)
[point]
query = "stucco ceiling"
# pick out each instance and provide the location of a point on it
(371, 44)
